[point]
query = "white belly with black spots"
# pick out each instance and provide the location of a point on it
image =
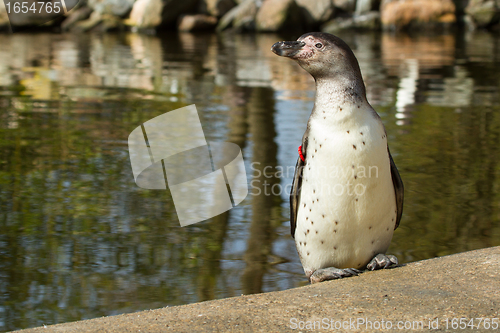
(347, 210)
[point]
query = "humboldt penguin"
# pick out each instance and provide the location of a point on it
(347, 194)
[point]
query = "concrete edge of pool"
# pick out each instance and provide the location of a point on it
(434, 293)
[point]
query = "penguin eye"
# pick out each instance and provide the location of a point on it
(319, 45)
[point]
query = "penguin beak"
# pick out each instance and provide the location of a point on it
(287, 49)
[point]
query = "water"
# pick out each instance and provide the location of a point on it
(78, 238)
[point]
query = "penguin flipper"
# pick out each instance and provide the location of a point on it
(398, 190)
(295, 195)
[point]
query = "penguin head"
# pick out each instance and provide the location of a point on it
(323, 55)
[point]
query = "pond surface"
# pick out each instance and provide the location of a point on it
(79, 239)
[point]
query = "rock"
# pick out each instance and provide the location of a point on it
(173, 9)
(216, 8)
(99, 22)
(368, 21)
(365, 6)
(483, 13)
(338, 24)
(197, 22)
(90, 23)
(75, 16)
(4, 18)
(346, 5)
(110, 23)
(112, 7)
(241, 17)
(403, 14)
(145, 14)
(278, 15)
(316, 11)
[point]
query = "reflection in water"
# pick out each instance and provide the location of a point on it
(407, 88)
(264, 201)
(78, 238)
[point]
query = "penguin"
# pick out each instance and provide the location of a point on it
(347, 195)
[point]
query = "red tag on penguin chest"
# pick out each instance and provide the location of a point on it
(301, 155)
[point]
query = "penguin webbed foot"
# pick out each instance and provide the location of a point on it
(332, 273)
(382, 261)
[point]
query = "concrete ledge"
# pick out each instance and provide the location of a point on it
(465, 285)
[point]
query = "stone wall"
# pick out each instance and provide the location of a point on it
(275, 15)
